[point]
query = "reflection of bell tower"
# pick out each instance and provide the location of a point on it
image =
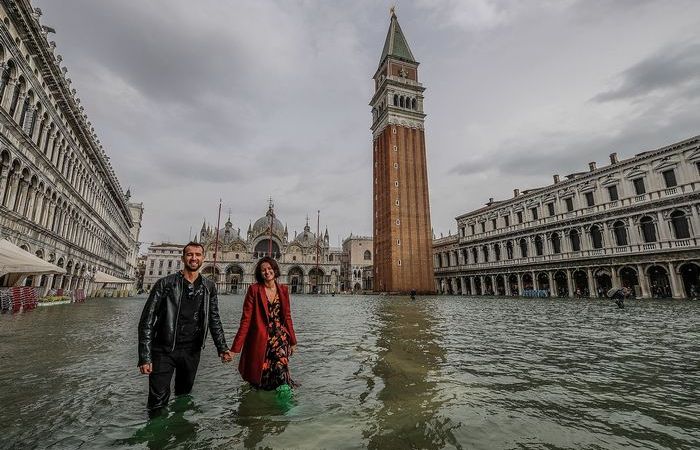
(402, 238)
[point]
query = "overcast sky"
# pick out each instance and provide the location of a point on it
(246, 100)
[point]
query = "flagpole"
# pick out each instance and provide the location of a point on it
(318, 244)
(216, 242)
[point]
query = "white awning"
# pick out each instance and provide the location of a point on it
(15, 260)
(101, 277)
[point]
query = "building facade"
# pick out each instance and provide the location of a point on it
(59, 196)
(402, 232)
(308, 264)
(634, 223)
(356, 259)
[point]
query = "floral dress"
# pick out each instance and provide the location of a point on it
(276, 364)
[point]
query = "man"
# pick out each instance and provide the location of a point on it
(173, 327)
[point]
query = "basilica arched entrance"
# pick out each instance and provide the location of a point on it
(234, 279)
(658, 282)
(690, 275)
(316, 282)
(295, 280)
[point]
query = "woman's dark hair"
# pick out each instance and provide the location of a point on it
(258, 268)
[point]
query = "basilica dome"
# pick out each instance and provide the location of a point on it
(262, 225)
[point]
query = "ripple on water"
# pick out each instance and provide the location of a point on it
(376, 372)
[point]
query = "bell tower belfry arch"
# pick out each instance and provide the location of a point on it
(403, 258)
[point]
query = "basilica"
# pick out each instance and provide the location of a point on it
(308, 264)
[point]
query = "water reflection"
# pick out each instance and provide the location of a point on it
(262, 414)
(409, 358)
(169, 428)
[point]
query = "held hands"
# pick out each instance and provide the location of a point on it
(292, 350)
(146, 369)
(226, 356)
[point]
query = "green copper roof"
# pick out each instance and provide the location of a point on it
(395, 44)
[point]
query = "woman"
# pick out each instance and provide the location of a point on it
(266, 333)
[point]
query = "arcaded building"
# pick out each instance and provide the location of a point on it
(402, 232)
(60, 199)
(634, 222)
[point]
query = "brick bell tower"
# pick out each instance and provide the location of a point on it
(403, 259)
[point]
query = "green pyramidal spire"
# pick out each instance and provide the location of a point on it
(396, 44)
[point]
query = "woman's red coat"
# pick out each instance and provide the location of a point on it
(251, 338)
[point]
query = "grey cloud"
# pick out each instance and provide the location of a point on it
(672, 68)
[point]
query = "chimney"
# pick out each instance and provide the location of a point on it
(490, 200)
(556, 178)
(591, 166)
(516, 192)
(613, 158)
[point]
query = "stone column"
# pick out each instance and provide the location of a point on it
(520, 283)
(472, 288)
(552, 284)
(28, 116)
(12, 188)
(4, 170)
(643, 281)
(494, 286)
(693, 219)
(8, 94)
(28, 210)
(664, 232)
(676, 283)
(591, 283)
(463, 282)
(615, 277)
(570, 283)
(21, 200)
(483, 284)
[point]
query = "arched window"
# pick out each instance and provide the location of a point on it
(396, 100)
(475, 255)
(620, 232)
(596, 237)
(4, 79)
(485, 251)
(509, 249)
(523, 248)
(648, 229)
(15, 96)
(367, 255)
(539, 248)
(401, 103)
(413, 103)
(497, 252)
(679, 222)
(556, 243)
(575, 240)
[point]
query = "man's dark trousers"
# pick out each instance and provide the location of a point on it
(181, 361)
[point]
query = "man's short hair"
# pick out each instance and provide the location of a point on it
(192, 244)
(258, 268)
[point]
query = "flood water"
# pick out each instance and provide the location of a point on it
(376, 372)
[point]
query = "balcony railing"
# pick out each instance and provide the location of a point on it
(574, 255)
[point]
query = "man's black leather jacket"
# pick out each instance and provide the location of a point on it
(158, 324)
